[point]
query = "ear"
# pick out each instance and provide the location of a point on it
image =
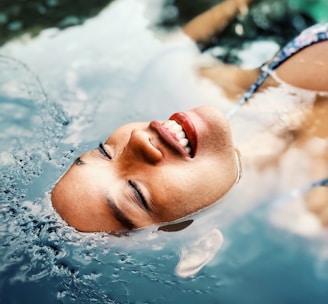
(177, 226)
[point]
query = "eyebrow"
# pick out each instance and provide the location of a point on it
(120, 215)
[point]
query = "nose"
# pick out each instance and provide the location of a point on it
(141, 147)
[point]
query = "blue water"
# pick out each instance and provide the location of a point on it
(60, 94)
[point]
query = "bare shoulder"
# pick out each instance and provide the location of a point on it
(307, 69)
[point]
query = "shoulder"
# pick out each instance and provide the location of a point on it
(307, 64)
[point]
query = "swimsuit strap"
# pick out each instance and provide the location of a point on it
(285, 199)
(310, 36)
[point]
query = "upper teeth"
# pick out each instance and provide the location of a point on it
(175, 128)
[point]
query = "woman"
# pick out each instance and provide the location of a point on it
(147, 173)
(161, 171)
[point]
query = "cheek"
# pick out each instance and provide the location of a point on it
(182, 192)
(204, 183)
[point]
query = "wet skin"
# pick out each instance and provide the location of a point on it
(142, 176)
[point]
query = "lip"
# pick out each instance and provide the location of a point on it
(168, 137)
(187, 126)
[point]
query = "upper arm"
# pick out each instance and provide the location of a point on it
(203, 27)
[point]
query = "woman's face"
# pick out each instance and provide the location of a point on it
(147, 173)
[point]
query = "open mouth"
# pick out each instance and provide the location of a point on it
(187, 136)
(179, 133)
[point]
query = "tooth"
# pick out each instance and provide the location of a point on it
(188, 149)
(181, 134)
(184, 142)
(176, 128)
(167, 123)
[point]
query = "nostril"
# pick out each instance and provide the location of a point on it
(143, 144)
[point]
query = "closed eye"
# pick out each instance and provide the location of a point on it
(103, 151)
(139, 195)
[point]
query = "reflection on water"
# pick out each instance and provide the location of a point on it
(19, 17)
(64, 91)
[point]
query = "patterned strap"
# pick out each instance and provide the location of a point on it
(310, 36)
(285, 199)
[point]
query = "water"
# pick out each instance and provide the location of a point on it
(64, 91)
